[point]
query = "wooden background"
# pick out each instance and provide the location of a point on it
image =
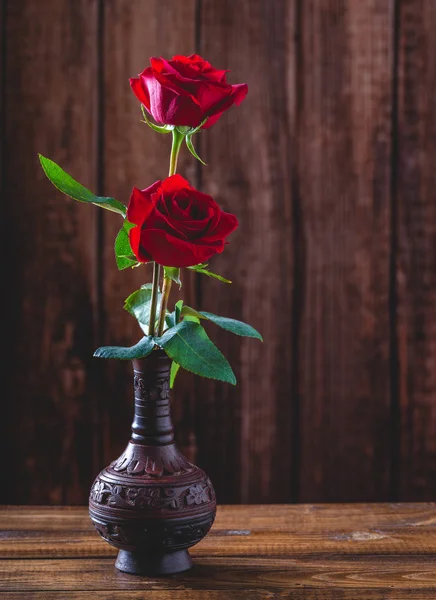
(330, 164)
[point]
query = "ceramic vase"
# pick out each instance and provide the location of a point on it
(152, 503)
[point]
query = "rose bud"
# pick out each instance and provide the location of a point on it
(176, 225)
(185, 91)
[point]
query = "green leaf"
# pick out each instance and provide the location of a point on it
(202, 269)
(191, 318)
(138, 305)
(188, 311)
(232, 325)
(170, 319)
(191, 149)
(123, 262)
(188, 345)
(173, 273)
(69, 186)
(139, 350)
(123, 251)
(173, 373)
(179, 307)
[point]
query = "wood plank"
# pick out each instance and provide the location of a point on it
(238, 573)
(134, 155)
(416, 259)
(344, 130)
(366, 541)
(308, 518)
(204, 594)
(364, 564)
(241, 531)
(245, 433)
(50, 101)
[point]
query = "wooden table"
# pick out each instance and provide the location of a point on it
(323, 552)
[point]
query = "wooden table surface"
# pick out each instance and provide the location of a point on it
(323, 552)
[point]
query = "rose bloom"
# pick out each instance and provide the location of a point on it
(186, 90)
(176, 225)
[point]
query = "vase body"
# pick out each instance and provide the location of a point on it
(151, 502)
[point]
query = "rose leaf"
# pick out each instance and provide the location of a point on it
(232, 325)
(139, 350)
(69, 186)
(123, 252)
(138, 305)
(173, 373)
(188, 345)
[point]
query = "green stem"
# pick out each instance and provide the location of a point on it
(175, 149)
(166, 288)
(153, 303)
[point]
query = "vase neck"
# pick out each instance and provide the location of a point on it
(152, 424)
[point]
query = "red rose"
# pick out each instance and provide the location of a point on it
(176, 225)
(185, 90)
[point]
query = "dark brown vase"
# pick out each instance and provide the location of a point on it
(151, 502)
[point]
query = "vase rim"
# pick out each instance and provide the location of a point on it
(157, 354)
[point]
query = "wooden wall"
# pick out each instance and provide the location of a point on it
(330, 164)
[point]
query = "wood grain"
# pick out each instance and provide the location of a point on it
(416, 240)
(50, 241)
(133, 155)
(278, 574)
(295, 530)
(245, 434)
(328, 165)
(332, 593)
(344, 130)
(384, 551)
(173, 594)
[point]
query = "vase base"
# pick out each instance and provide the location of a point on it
(141, 563)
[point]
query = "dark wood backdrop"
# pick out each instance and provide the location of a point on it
(330, 164)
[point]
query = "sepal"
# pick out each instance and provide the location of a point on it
(192, 150)
(158, 128)
(201, 268)
(173, 273)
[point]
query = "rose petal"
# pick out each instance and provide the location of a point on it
(140, 204)
(192, 58)
(171, 108)
(238, 94)
(239, 91)
(179, 207)
(168, 104)
(161, 98)
(194, 66)
(169, 77)
(170, 251)
(135, 243)
(158, 220)
(227, 223)
(140, 92)
(175, 183)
